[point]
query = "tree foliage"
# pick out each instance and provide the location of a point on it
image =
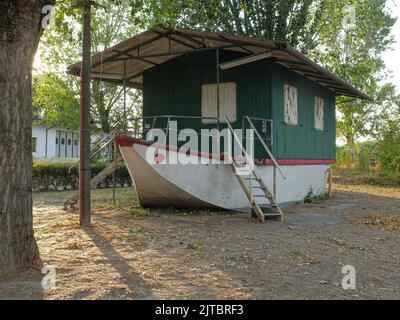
(355, 55)
(61, 47)
(315, 27)
(55, 103)
(293, 21)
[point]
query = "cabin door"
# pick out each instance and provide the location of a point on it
(264, 128)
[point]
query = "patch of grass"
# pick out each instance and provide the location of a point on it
(55, 160)
(124, 195)
(242, 261)
(372, 176)
(313, 198)
(142, 212)
(296, 253)
(304, 257)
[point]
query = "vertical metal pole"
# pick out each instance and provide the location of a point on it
(136, 129)
(218, 81)
(124, 96)
(113, 159)
(84, 161)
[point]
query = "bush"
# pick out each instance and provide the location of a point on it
(389, 148)
(56, 176)
(359, 157)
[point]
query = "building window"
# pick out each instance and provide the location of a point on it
(34, 144)
(319, 113)
(290, 107)
(69, 142)
(56, 140)
(76, 142)
(227, 101)
(62, 141)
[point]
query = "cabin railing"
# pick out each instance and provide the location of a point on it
(249, 160)
(274, 162)
(139, 129)
(266, 127)
(101, 144)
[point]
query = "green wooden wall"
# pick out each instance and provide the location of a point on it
(174, 88)
(302, 141)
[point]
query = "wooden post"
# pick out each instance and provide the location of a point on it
(84, 161)
(330, 174)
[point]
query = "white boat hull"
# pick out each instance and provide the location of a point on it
(209, 185)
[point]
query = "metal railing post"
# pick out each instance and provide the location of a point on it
(266, 148)
(113, 174)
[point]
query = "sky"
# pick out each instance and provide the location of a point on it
(392, 58)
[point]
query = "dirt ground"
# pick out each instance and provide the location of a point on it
(131, 253)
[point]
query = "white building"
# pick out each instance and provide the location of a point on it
(54, 142)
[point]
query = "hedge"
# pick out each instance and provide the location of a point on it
(56, 176)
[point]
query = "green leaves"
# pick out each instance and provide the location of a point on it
(61, 47)
(55, 102)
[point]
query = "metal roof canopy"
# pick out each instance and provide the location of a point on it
(161, 44)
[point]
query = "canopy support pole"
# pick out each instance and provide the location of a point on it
(124, 125)
(218, 83)
(84, 160)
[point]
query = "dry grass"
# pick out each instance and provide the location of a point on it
(134, 253)
(380, 221)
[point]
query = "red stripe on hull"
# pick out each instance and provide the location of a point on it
(125, 141)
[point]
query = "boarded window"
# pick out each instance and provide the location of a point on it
(227, 101)
(290, 108)
(319, 113)
(34, 144)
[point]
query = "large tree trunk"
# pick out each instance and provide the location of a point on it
(20, 30)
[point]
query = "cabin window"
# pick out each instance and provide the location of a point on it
(75, 142)
(319, 113)
(62, 141)
(290, 107)
(227, 102)
(56, 140)
(69, 142)
(34, 144)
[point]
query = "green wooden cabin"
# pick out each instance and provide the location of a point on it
(180, 69)
(175, 88)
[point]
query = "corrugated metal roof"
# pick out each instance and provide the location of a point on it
(161, 44)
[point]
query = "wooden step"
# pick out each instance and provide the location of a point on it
(118, 162)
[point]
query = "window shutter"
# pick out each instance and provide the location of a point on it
(319, 113)
(290, 107)
(227, 104)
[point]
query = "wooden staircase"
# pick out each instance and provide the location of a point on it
(262, 200)
(117, 163)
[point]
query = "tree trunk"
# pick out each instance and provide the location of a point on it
(20, 30)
